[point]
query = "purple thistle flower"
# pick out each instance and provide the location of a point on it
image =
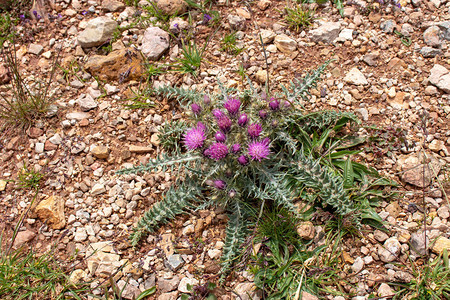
(232, 105)
(262, 114)
(243, 160)
(206, 100)
(235, 148)
(224, 123)
(217, 151)
(259, 150)
(242, 121)
(274, 104)
(220, 137)
(219, 184)
(196, 109)
(254, 130)
(194, 138)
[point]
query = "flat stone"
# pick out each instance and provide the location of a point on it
(428, 52)
(120, 65)
(140, 149)
(168, 285)
(51, 211)
(246, 291)
(445, 27)
(87, 103)
(417, 173)
(23, 237)
(35, 49)
(354, 76)
(175, 262)
(155, 43)
(285, 44)
(440, 77)
(98, 31)
(326, 33)
(103, 264)
(76, 115)
(263, 4)
(441, 244)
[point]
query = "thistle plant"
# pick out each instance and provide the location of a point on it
(238, 152)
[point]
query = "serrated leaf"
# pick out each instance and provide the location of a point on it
(349, 176)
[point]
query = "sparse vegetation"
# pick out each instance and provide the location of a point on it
(298, 17)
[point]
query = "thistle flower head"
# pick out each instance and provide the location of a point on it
(219, 184)
(196, 109)
(223, 121)
(217, 151)
(235, 148)
(254, 130)
(274, 104)
(232, 106)
(242, 121)
(243, 160)
(194, 138)
(263, 114)
(220, 136)
(259, 150)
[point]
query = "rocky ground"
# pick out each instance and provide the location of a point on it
(84, 205)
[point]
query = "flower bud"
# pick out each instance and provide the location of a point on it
(220, 137)
(219, 184)
(242, 121)
(274, 104)
(235, 148)
(206, 100)
(243, 160)
(196, 109)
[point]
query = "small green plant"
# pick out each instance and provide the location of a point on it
(298, 17)
(24, 275)
(430, 282)
(191, 60)
(25, 102)
(29, 179)
(241, 71)
(170, 136)
(6, 24)
(228, 43)
(140, 99)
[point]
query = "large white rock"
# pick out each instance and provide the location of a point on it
(285, 44)
(326, 33)
(155, 43)
(98, 31)
(440, 77)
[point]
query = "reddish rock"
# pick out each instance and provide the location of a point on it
(48, 146)
(120, 65)
(4, 74)
(23, 237)
(34, 132)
